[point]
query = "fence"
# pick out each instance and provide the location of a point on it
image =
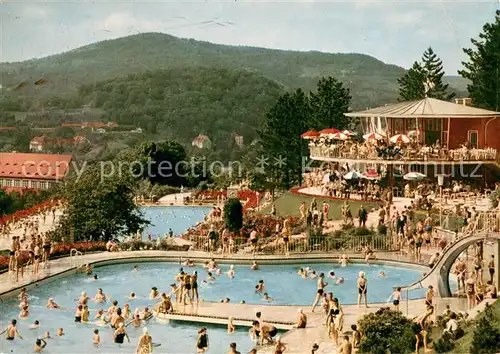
(296, 245)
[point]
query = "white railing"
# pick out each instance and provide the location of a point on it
(76, 258)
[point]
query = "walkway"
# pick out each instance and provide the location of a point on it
(43, 227)
(298, 341)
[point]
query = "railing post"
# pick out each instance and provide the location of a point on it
(407, 300)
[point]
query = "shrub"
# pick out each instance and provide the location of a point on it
(362, 231)
(382, 229)
(443, 344)
(486, 338)
(386, 331)
(233, 215)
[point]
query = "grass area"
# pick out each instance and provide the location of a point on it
(288, 205)
(463, 345)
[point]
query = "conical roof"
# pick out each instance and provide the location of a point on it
(425, 108)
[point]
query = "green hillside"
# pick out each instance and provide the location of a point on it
(371, 81)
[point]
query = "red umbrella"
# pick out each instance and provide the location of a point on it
(329, 131)
(310, 134)
(371, 174)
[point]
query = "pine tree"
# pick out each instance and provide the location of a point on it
(329, 104)
(411, 85)
(433, 71)
(483, 67)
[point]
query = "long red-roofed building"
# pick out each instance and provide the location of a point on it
(20, 171)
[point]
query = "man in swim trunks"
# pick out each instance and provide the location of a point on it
(12, 331)
(320, 290)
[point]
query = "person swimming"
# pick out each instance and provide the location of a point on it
(340, 280)
(230, 325)
(51, 304)
(267, 298)
(210, 276)
(343, 260)
(154, 293)
(381, 274)
(331, 275)
(230, 273)
(254, 266)
(100, 296)
(260, 286)
(313, 275)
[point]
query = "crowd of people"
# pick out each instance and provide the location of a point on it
(382, 149)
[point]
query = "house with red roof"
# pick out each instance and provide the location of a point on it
(42, 143)
(202, 142)
(20, 171)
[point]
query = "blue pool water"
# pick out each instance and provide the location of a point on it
(118, 281)
(177, 218)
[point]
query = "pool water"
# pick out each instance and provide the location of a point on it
(177, 218)
(118, 281)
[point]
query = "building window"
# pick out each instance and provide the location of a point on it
(472, 138)
(24, 183)
(433, 125)
(8, 183)
(17, 183)
(34, 184)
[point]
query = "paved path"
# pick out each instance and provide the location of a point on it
(298, 341)
(48, 225)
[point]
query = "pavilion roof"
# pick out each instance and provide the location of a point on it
(425, 108)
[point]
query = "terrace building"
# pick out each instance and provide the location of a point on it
(19, 171)
(434, 135)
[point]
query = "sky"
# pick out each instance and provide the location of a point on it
(395, 32)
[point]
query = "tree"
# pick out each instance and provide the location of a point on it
(430, 71)
(5, 203)
(386, 331)
(483, 67)
(486, 338)
(282, 147)
(329, 104)
(100, 207)
(411, 85)
(433, 70)
(233, 215)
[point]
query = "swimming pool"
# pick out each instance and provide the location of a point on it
(118, 281)
(177, 218)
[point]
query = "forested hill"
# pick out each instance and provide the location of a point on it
(371, 81)
(179, 104)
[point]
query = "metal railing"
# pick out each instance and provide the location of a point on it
(76, 258)
(338, 152)
(277, 245)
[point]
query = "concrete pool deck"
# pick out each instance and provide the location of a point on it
(297, 340)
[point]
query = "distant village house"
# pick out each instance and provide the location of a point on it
(42, 143)
(202, 142)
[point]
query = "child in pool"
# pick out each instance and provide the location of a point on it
(230, 326)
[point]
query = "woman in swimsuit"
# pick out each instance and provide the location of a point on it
(120, 334)
(470, 288)
(362, 288)
(145, 344)
(335, 317)
(187, 290)
(202, 341)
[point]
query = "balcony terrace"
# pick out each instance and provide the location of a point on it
(351, 151)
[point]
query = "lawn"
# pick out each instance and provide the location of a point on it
(288, 205)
